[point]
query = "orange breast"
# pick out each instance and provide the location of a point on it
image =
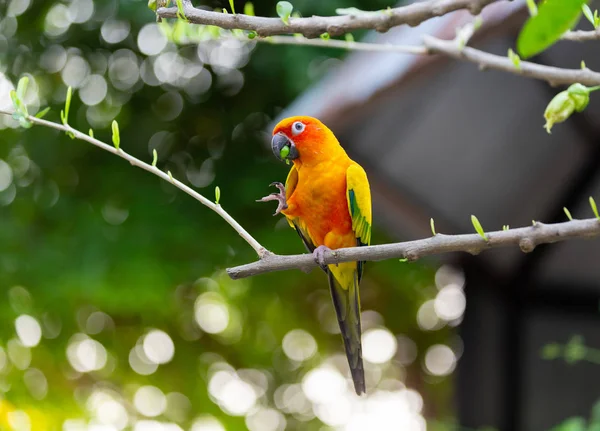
(321, 204)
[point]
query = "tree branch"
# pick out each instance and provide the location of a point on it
(581, 35)
(412, 14)
(260, 250)
(553, 75)
(527, 238)
(450, 48)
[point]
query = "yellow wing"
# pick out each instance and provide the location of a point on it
(290, 186)
(358, 194)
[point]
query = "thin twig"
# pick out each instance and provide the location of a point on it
(553, 75)
(412, 14)
(582, 35)
(348, 45)
(260, 250)
(526, 238)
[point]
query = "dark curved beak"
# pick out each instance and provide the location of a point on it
(279, 142)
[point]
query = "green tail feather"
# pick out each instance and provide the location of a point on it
(347, 308)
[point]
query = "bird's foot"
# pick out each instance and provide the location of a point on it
(319, 255)
(280, 197)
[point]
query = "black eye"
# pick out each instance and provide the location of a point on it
(297, 127)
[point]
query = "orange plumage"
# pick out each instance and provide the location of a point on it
(327, 200)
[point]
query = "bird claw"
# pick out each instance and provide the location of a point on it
(319, 255)
(279, 197)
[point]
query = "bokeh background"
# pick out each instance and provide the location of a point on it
(116, 313)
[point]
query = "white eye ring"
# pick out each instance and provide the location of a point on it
(297, 128)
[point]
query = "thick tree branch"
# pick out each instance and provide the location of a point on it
(526, 238)
(553, 75)
(260, 250)
(412, 14)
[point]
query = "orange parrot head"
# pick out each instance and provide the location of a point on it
(302, 139)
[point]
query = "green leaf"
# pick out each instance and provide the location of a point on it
(355, 11)
(249, 9)
(170, 175)
(284, 10)
(553, 19)
(91, 133)
(478, 227)
(596, 19)
(568, 213)
(152, 5)
(594, 207)
(42, 113)
(505, 227)
(180, 10)
(116, 138)
(432, 224)
(22, 87)
(571, 424)
(575, 350)
(516, 60)
(252, 34)
(551, 351)
(532, 7)
(403, 260)
(349, 38)
(583, 64)
(232, 6)
(154, 158)
(217, 195)
(325, 36)
(587, 12)
(64, 115)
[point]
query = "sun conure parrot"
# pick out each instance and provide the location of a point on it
(327, 199)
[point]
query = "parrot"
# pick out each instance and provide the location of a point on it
(327, 200)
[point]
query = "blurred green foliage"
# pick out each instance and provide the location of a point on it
(91, 245)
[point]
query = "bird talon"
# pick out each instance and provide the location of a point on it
(280, 197)
(319, 255)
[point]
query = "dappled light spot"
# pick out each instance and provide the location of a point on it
(407, 350)
(18, 354)
(265, 419)
(151, 425)
(53, 59)
(323, 384)
(168, 106)
(427, 318)
(113, 214)
(139, 362)
(211, 313)
(86, 354)
(158, 347)
(19, 420)
(447, 274)
(178, 407)
(6, 175)
(98, 321)
(379, 345)
(75, 71)
(150, 401)
(57, 21)
(235, 396)
(36, 383)
(440, 360)
(123, 69)
(107, 407)
(291, 399)
(81, 10)
(114, 31)
(17, 7)
(299, 345)
(207, 423)
(203, 176)
(3, 360)
(151, 40)
(94, 90)
(450, 302)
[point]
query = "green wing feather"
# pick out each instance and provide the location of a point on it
(359, 206)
